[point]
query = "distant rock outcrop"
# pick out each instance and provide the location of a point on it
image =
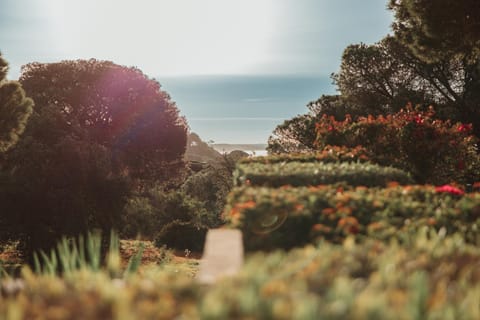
(200, 151)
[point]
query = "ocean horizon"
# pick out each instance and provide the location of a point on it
(242, 109)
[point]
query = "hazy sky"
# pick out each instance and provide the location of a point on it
(184, 37)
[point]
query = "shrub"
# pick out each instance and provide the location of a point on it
(182, 235)
(308, 173)
(288, 217)
(434, 151)
(429, 279)
(327, 154)
(99, 132)
(171, 218)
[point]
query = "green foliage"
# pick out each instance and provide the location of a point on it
(210, 186)
(382, 78)
(433, 277)
(288, 217)
(99, 132)
(85, 254)
(327, 155)
(434, 151)
(172, 218)
(438, 29)
(429, 279)
(294, 135)
(333, 105)
(182, 235)
(15, 109)
(117, 107)
(445, 33)
(315, 173)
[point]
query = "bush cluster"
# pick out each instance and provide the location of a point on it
(433, 150)
(287, 217)
(430, 278)
(171, 218)
(315, 173)
(327, 154)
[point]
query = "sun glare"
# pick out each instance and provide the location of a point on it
(169, 37)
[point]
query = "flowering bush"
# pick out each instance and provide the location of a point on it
(434, 151)
(287, 217)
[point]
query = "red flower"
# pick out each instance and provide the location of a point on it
(450, 189)
(465, 128)
(419, 120)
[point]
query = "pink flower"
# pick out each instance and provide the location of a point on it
(450, 189)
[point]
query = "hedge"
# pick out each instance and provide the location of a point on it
(431, 278)
(288, 217)
(308, 173)
(328, 154)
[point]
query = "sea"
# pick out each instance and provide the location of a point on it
(242, 109)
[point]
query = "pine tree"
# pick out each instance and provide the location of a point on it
(15, 109)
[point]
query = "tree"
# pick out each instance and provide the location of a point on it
(382, 78)
(115, 106)
(333, 105)
(446, 31)
(15, 109)
(99, 132)
(436, 30)
(294, 135)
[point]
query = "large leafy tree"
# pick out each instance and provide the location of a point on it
(115, 106)
(99, 131)
(438, 29)
(293, 135)
(298, 134)
(378, 79)
(15, 109)
(445, 31)
(384, 77)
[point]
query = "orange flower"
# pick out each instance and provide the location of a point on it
(375, 225)
(246, 205)
(234, 212)
(347, 221)
(328, 211)
(321, 228)
(393, 184)
(299, 207)
(349, 224)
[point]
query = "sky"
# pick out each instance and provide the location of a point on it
(191, 37)
(235, 68)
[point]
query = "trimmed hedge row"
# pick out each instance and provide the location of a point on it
(308, 173)
(328, 154)
(431, 278)
(288, 217)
